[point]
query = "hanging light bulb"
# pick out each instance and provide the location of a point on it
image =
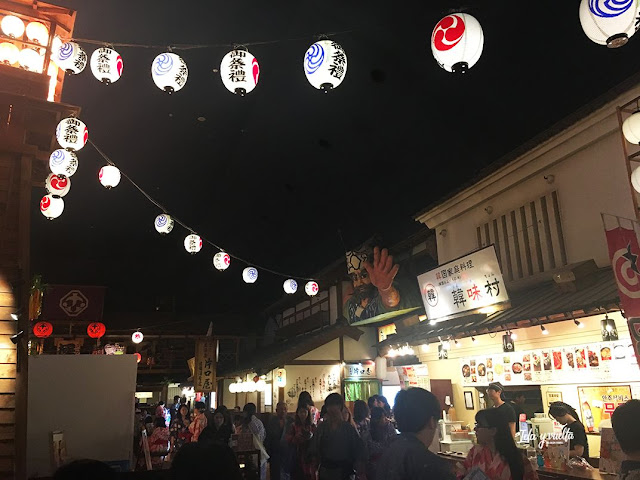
(635, 179)
(137, 337)
(514, 335)
(106, 65)
(63, 162)
(544, 330)
(290, 286)
(72, 134)
(457, 42)
(631, 128)
(12, 26)
(37, 33)
(221, 261)
(51, 206)
(325, 65)
(457, 343)
(578, 323)
(163, 223)
(56, 185)
(193, 243)
(425, 348)
(9, 53)
(109, 176)
(71, 58)
(250, 275)
(311, 289)
(31, 60)
(609, 22)
(169, 72)
(239, 72)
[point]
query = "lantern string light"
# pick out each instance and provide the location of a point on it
(187, 227)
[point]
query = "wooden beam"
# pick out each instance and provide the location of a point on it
(313, 362)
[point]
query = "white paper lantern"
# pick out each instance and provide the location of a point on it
(38, 33)
(31, 60)
(239, 71)
(137, 337)
(163, 223)
(233, 388)
(106, 65)
(381, 368)
(456, 42)
(250, 275)
(51, 206)
(109, 176)
(635, 179)
(325, 65)
(9, 53)
(261, 385)
(609, 22)
(311, 289)
(221, 261)
(193, 243)
(631, 128)
(290, 286)
(56, 185)
(71, 58)
(63, 162)
(72, 134)
(12, 26)
(169, 72)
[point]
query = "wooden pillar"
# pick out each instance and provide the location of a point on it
(342, 366)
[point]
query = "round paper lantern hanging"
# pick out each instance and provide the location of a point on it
(137, 337)
(109, 176)
(56, 185)
(72, 134)
(221, 261)
(163, 223)
(609, 22)
(12, 26)
(51, 206)
(193, 243)
(9, 53)
(31, 60)
(96, 330)
(311, 289)
(325, 65)
(63, 162)
(71, 58)
(42, 329)
(169, 72)
(290, 286)
(239, 71)
(457, 42)
(635, 179)
(631, 128)
(138, 357)
(37, 33)
(250, 275)
(106, 65)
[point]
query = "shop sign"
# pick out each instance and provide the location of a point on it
(204, 379)
(597, 403)
(414, 376)
(467, 284)
(384, 332)
(281, 378)
(360, 370)
(73, 302)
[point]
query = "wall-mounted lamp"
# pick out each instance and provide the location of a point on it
(544, 330)
(443, 232)
(489, 210)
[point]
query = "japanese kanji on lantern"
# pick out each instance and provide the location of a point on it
(456, 42)
(63, 163)
(72, 134)
(70, 57)
(469, 284)
(239, 71)
(325, 65)
(42, 329)
(221, 261)
(193, 243)
(56, 185)
(169, 72)
(96, 329)
(163, 223)
(51, 206)
(609, 22)
(137, 337)
(106, 65)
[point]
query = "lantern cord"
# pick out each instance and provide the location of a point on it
(187, 227)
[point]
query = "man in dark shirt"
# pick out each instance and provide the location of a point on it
(494, 392)
(516, 403)
(417, 412)
(626, 425)
(277, 428)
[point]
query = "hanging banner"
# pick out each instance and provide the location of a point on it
(73, 302)
(204, 379)
(469, 283)
(281, 378)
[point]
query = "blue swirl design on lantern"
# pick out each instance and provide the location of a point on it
(314, 58)
(610, 8)
(163, 64)
(66, 50)
(161, 221)
(57, 157)
(252, 274)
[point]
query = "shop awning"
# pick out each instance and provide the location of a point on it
(537, 305)
(279, 354)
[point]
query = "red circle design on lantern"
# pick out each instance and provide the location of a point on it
(96, 330)
(138, 357)
(42, 329)
(45, 203)
(448, 33)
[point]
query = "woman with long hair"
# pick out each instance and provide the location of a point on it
(573, 429)
(305, 400)
(179, 429)
(361, 417)
(496, 453)
(298, 438)
(381, 435)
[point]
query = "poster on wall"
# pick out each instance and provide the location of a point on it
(204, 379)
(597, 403)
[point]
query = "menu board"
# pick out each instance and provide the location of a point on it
(591, 363)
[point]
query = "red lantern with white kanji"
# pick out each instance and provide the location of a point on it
(96, 329)
(42, 329)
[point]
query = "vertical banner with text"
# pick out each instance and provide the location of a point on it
(204, 379)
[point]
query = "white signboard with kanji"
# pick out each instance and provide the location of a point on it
(469, 283)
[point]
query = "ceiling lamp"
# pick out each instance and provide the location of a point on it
(56, 185)
(325, 65)
(163, 223)
(250, 275)
(609, 22)
(311, 289)
(631, 128)
(31, 60)
(290, 286)
(71, 58)
(635, 179)
(37, 33)
(239, 71)
(193, 243)
(578, 323)
(137, 337)
(109, 176)
(63, 162)
(456, 42)
(106, 65)
(9, 53)
(72, 134)
(221, 261)
(169, 72)
(12, 26)
(544, 330)
(51, 206)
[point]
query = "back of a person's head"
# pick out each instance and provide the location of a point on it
(161, 403)
(334, 400)
(160, 422)
(205, 460)
(383, 400)
(626, 424)
(360, 410)
(372, 400)
(148, 419)
(250, 409)
(377, 413)
(413, 408)
(84, 470)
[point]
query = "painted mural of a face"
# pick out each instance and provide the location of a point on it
(363, 289)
